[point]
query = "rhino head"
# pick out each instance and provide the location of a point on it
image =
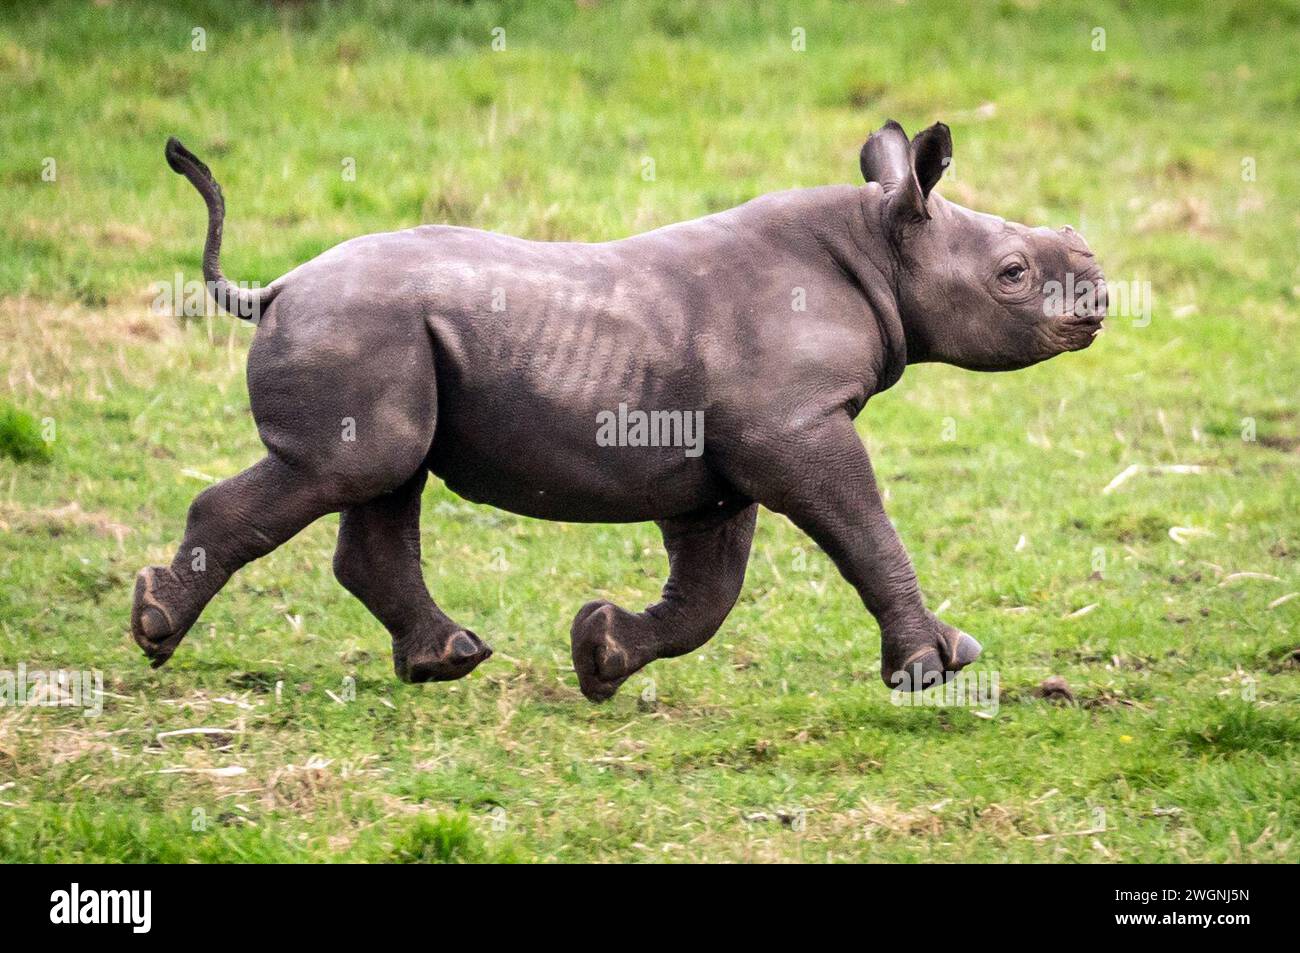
(975, 290)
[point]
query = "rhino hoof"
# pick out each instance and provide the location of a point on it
(950, 651)
(151, 624)
(966, 651)
(462, 652)
(598, 656)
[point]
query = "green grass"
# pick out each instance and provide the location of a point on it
(777, 740)
(20, 436)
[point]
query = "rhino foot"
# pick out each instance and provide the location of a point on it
(157, 623)
(602, 655)
(441, 657)
(919, 655)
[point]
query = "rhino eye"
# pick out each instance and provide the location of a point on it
(1013, 273)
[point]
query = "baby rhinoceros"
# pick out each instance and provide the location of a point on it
(539, 377)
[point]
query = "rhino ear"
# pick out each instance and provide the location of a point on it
(887, 159)
(931, 155)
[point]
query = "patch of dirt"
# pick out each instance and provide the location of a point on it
(112, 234)
(888, 817)
(861, 95)
(52, 350)
(1079, 656)
(115, 233)
(1180, 169)
(1105, 699)
(56, 521)
(1289, 661)
(1056, 690)
(785, 816)
(1128, 528)
(1186, 213)
(262, 682)
(1278, 442)
(1139, 663)
(144, 330)
(1000, 820)
(33, 746)
(9, 739)
(304, 788)
(531, 683)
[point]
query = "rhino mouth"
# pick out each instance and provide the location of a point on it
(1079, 331)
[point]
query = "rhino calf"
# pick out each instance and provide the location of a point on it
(492, 362)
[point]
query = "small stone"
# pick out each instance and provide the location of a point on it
(1054, 688)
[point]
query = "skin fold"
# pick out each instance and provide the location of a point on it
(488, 360)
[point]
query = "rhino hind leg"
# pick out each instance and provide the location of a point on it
(229, 524)
(333, 442)
(707, 557)
(378, 561)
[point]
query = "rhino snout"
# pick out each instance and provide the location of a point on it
(1091, 299)
(1081, 322)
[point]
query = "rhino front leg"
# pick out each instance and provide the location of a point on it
(707, 557)
(821, 478)
(378, 561)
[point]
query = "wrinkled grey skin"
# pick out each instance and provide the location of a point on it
(486, 359)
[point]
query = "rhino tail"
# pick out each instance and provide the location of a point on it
(241, 302)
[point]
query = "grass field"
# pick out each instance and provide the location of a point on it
(1173, 150)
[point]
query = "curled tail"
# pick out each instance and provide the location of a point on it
(241, 302)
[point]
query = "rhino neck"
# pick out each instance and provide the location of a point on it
(839, 226)
(849, 228)
(876, 269)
